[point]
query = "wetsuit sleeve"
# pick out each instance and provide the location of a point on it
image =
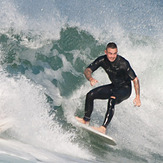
(96, 64)
(130, 72)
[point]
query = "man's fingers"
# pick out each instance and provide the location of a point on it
(137, 102)
(93, 82)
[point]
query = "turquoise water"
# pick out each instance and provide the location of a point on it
(45, 47)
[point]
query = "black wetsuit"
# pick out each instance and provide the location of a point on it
(120, 74)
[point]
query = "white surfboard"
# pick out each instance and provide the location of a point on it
(102, 137)
(5, 124)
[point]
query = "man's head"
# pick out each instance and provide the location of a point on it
(111, 51)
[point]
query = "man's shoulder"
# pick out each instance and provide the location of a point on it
(97, 63)
(122, 59)
(101, 58)
(123, 62)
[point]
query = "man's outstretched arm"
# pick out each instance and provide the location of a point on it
(137, 101)
(88, 75)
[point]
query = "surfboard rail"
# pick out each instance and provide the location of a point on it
(103, 137)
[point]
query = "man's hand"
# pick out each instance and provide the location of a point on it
(93, 81)
(88, 75)
(137, 101)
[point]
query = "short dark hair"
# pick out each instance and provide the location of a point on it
(111, 45)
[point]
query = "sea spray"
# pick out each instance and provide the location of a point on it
(26, 103)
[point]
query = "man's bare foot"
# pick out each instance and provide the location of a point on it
(101, 129)
(81, 120)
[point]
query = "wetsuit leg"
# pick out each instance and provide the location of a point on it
(102, 92)
(120, 95)
(110, 112)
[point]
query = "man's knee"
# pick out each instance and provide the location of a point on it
(113, 97)
(112, 102)
(90, 95)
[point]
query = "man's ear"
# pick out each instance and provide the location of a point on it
(105, 51)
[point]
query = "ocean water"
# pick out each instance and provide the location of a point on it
(45, 47)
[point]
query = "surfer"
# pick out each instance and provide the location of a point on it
(120, 74)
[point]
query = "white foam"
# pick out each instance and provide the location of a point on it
(10, 17)
(19, 152)
(26, 103)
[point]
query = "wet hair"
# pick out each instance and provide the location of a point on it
(111, 45)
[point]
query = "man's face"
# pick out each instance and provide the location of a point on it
(111, 54)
